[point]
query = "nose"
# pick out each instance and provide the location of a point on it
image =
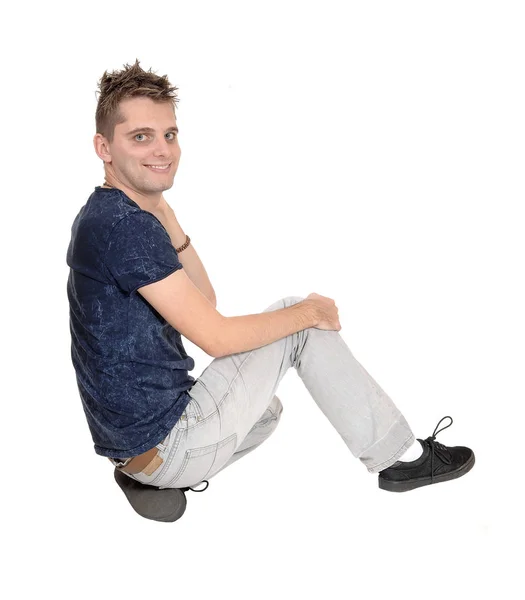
(162, 148)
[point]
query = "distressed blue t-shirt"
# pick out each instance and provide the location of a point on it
(130, 363)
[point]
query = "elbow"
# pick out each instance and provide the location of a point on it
(215, 352)
(217, 346)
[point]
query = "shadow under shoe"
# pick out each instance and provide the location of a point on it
(438, 463)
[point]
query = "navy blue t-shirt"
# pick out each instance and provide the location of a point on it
(131, 367)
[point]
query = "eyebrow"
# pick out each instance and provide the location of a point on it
(151, 130)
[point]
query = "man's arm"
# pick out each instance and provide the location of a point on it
(248, 332)
(188, 257)
(186, 309)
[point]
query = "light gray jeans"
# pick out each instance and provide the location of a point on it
(233, 407)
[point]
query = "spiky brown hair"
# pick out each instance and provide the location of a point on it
(130, 82)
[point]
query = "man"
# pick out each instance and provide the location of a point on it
(136, 284)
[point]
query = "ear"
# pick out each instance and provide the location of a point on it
(102, 147)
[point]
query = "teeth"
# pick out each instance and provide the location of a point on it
(158, 167)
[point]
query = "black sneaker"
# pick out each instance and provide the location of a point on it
(437, 463)
(153, 503)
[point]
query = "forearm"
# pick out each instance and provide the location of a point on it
(249, 332)
(188, 257)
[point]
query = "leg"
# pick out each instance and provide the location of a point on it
(365, 417)
(234, 391)
(261, 431)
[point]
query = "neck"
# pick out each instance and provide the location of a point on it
(146, 202)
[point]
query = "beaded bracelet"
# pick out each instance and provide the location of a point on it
(185, 245)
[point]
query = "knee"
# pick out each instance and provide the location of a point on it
(276, 407)
(271, 416)
(290, 300)
(284, 303)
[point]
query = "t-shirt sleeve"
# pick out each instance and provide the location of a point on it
(139, 252)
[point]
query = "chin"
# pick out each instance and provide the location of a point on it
(159, 186)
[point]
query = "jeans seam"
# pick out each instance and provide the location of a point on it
(201, 418)
(169, 458)
(235, 377)
(396, 454)
(380, 439)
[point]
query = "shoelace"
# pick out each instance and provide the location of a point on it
(437, 448)
(185, 489)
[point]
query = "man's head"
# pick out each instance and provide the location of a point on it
(136, 126)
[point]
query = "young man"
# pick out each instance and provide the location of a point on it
(136, 284)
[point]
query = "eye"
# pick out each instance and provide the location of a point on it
(173, 133)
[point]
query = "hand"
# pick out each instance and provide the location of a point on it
(163, 212)
(326, 311)
(162, 207)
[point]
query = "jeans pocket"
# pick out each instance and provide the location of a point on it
(199, 463)
(191, 416)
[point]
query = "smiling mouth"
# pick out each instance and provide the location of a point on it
(159, 168)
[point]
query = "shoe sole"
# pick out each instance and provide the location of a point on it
(132, 494)
(405, 486)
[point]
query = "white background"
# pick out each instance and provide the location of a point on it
(371, 152)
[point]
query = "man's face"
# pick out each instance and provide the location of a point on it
(134, 146)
